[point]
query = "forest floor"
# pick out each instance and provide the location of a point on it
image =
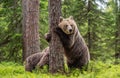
(96, 69)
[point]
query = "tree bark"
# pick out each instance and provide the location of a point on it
(56, 61)
(30, 27)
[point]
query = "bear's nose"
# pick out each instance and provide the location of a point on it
(70, 30)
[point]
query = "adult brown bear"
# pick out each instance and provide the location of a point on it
(76, 50)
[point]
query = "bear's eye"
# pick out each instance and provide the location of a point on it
(66, 26)
(71, 25)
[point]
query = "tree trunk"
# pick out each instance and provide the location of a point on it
(117, 42)
(30, 27)
(56, 61)
(89, 26)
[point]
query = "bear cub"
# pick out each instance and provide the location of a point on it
(38, 59)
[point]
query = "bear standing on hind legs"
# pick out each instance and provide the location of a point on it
(76, 50)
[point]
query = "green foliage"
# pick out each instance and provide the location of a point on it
(102, 26)
(43, 22)
(10, 30)
(96, 69)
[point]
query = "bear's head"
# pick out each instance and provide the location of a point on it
(67, 25)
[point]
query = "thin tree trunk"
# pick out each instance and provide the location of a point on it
(117, 42)
(89, 26)
(30, 27)
(56, 61)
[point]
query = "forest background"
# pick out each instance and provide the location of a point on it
(98, 22)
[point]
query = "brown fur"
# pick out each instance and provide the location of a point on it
(32, 61)
(76, 50)
(48, 37)
(45, 58)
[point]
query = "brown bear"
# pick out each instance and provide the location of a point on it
(76, 50)
(40, 59)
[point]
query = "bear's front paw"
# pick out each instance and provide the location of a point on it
(48, 37)
(57, 30)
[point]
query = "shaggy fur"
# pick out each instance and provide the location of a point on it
(39, 59)
(76, 50)
(45, 58)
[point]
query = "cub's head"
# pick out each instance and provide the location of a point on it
(67, 25)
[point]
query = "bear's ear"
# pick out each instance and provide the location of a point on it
(71, 17)
(61, 19)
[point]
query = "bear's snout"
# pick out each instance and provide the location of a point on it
(70, 30)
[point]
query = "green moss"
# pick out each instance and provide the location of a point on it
(96, 69)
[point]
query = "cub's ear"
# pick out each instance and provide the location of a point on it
(71, 17)
(61, 19)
